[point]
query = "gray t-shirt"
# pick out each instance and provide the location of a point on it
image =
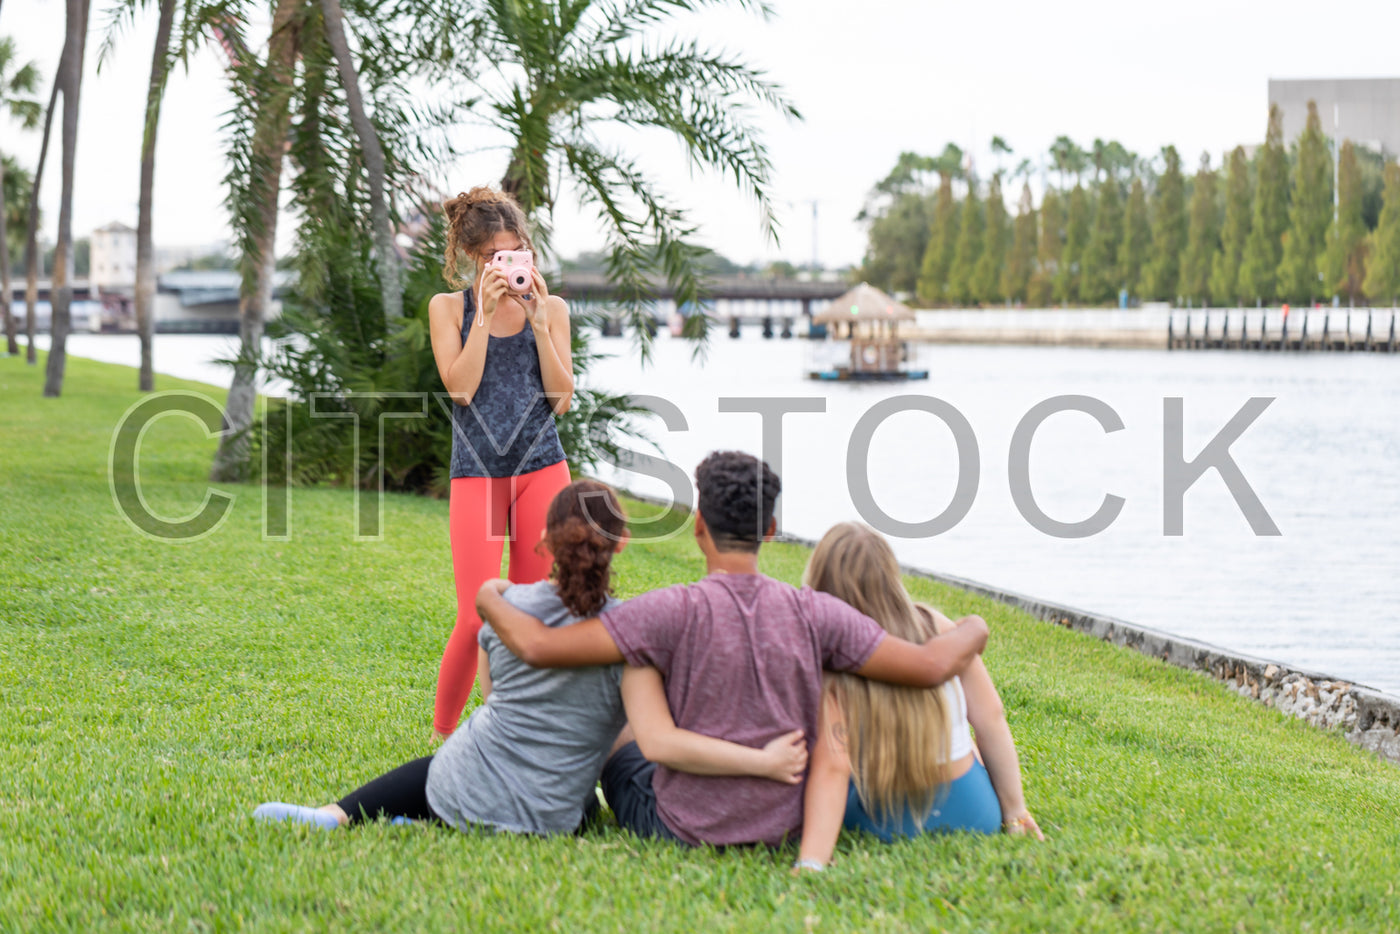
(528, 758)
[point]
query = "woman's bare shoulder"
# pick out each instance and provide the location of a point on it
(451, 301)
(446, 305)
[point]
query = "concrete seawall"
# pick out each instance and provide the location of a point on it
(1046, 337)
(1145, 328)
(1368, 718)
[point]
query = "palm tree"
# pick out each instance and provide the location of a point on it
(949, 162)
(290, 110)
(1000, 148)
(18, 182)
(386, 253)
(61, 289)
(1118, 162)
(1098, 156)
(145, 246)
(949, 165)
(257, 184)
(31, 235)
(1069, 159)
(17, 86)
(199, 20)
(552, 75)
(564, 71)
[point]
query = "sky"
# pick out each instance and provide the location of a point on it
(871, 79)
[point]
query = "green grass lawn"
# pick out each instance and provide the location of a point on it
(155, 692)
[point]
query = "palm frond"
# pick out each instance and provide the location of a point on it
(26, 79)
(17, 88)
(27, 112)
(621, 21)
(647, 237)
(571, 15)
(243, 167)
(220, 21)
(119, 17)
(700, 97)
(527, 172)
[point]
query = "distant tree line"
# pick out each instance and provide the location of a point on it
(1260, 229)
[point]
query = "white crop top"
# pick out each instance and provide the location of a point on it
(959, 731)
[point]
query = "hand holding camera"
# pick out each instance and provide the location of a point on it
(521, 276)
(518, 267)
(508, 271)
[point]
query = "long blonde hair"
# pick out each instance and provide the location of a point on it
(897, 738)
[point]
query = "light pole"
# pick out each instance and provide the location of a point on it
(1336, 161)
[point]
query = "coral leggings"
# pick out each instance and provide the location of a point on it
(483, 513)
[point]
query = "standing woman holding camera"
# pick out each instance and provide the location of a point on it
(502, 350)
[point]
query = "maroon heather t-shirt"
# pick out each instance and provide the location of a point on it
(742, 655)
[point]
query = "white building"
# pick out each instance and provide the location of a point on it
(113, 258)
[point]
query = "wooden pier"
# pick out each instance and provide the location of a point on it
(1312, 329)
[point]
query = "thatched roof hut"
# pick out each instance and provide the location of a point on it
(864, 303)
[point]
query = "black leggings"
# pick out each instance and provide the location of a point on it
(400, 793)
(404, 793)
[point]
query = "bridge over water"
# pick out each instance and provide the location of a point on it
(727, 296)
(208, 302)
(736, 300)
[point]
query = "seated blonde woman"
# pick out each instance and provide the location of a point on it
(897, 761)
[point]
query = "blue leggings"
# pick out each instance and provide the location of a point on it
(966, 803)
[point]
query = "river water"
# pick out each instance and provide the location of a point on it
(1323, 460)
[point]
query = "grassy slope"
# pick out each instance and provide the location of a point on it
(155, 692)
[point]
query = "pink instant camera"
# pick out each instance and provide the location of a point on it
(516, 264)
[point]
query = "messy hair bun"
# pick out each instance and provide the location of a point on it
(473, 218)
(583, 527)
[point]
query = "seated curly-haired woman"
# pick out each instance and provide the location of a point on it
(527, 759)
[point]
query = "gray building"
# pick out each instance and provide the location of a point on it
(1367, 110)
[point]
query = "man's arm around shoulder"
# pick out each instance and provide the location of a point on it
(899, 662)
(540, 646)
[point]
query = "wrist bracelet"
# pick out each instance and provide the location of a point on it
(812, 864)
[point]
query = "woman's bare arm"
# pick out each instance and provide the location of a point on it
(828, 784)
(987, 714)
(549, 318)
(896, 661)
(541, 646)
(784, 759)
(461, 364)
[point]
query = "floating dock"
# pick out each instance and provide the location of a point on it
(845, 375)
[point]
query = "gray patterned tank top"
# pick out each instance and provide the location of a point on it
(508, 429)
